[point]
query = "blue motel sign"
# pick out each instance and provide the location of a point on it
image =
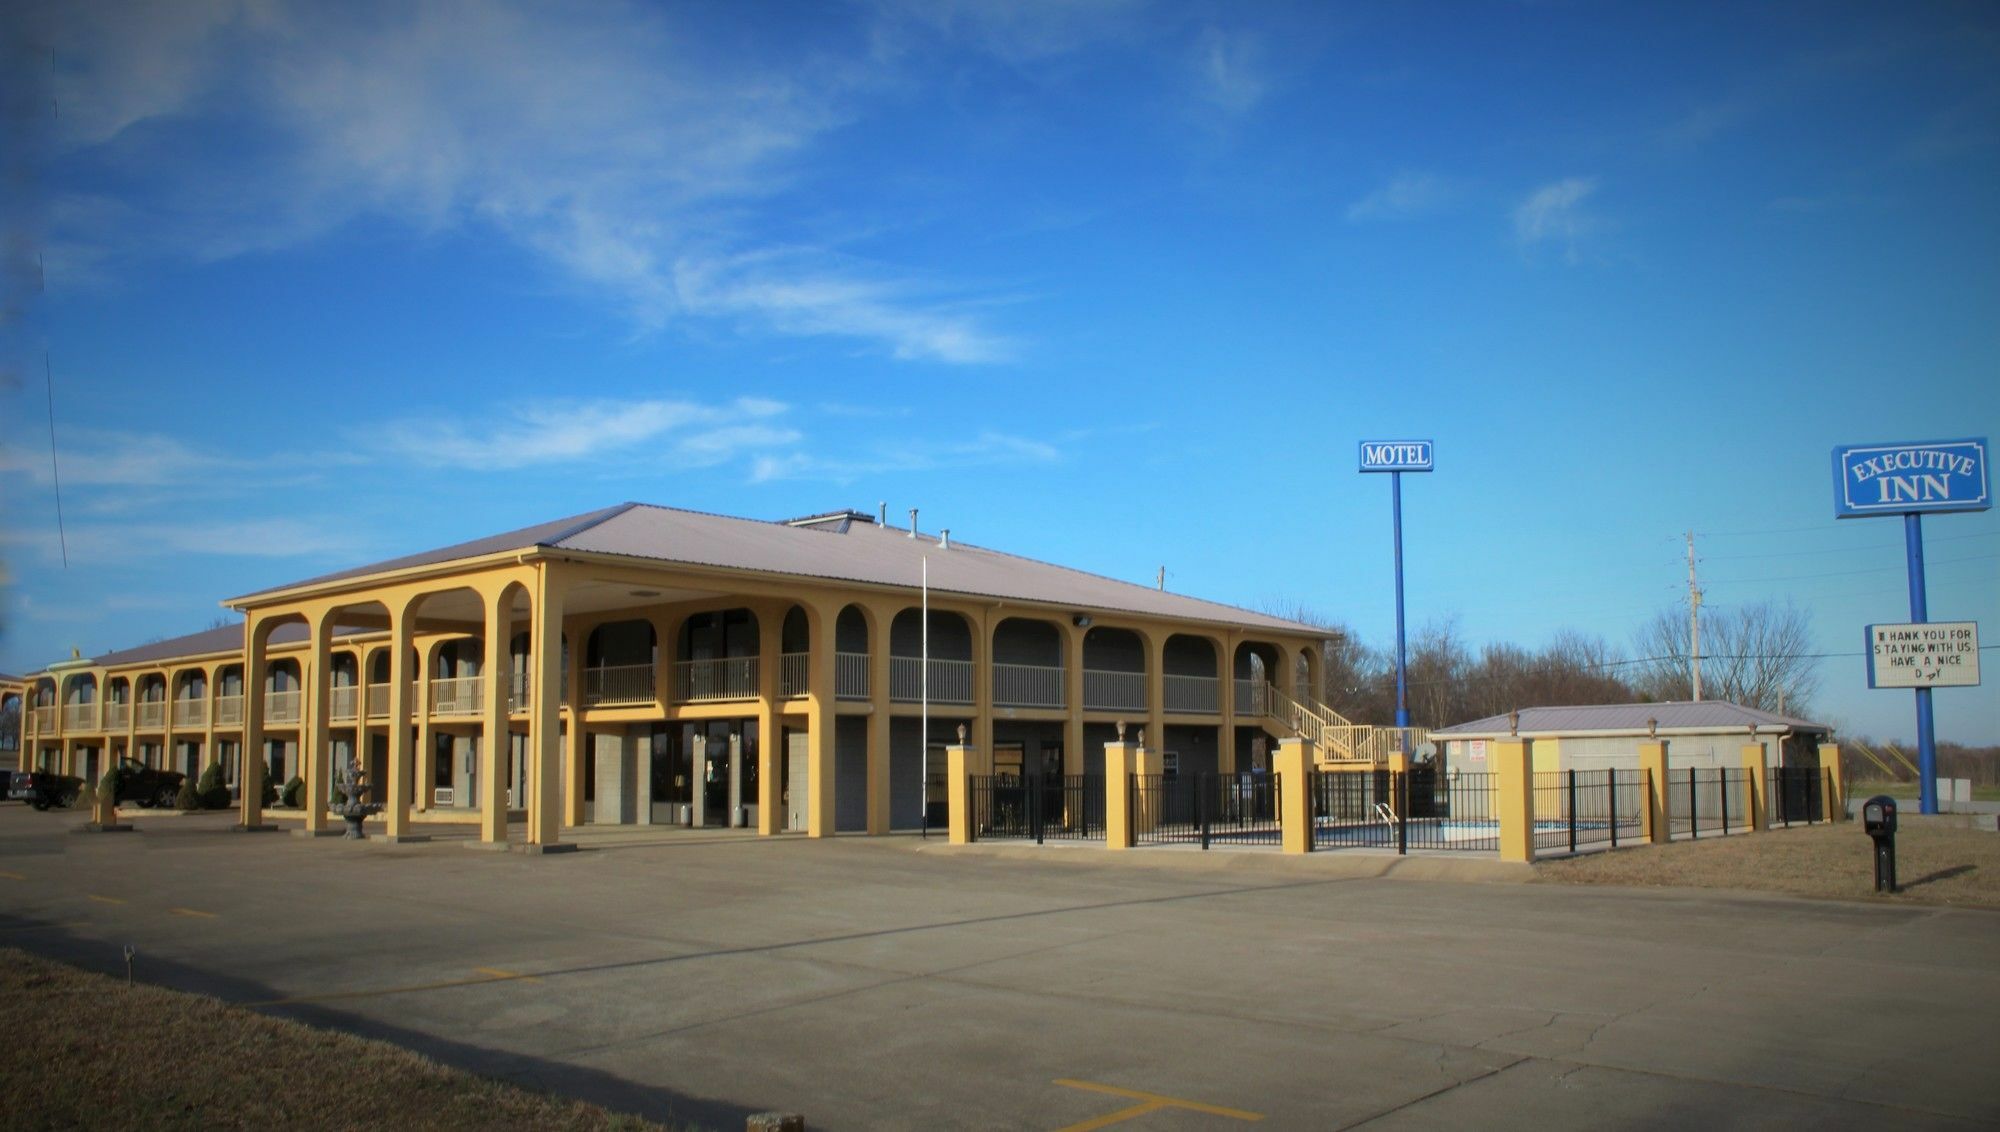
(1911, 478)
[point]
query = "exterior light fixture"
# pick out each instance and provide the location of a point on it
(1514, 723)
(1081, 620)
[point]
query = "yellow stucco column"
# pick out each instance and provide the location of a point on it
(1156, 692)
(1757, 807)
(770, 719)
(396, 802)
(1146, 765)
(962, 763)
(1653, 813)
(250, 772)
(420, 767)
(571, 693)
(1512, 761)
(1072, 661)
(545, 745)
(1836, 782)
(880, 721)
(317, 726)
(820, 790)
(1120, 759)
(494, 746)
(1295, 770)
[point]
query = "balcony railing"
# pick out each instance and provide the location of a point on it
(520, 686)
(700, 681)
(792, 678)
(951, 680)
(1027, 685)
(618, 684)
(80, 717)
(45, 719)
(1113, 691)
(460, 695)
(1200, 694)
(152, 714)
(341, 702)
(116, 715)
(850, 675)
(1253, 697)
(229, 710)
(281, 707)
(190, 713)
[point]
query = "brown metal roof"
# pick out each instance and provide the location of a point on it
(857, 551)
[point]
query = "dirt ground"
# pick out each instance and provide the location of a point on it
(1937, 862)
(95, 1053)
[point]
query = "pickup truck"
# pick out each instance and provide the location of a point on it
(43, 789)
(140, 783)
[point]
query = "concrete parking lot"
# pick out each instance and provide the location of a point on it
(890, 983)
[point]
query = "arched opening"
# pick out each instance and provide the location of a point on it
(117, 703)
(1189, 682)
(1027, 664)
(794, 648)
(950, 649)
(717, 657)
(850, 654)
(1114, 670)
(618, 659)
(80, 703)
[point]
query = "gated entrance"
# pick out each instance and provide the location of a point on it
(1037, 807)
(1209, 808)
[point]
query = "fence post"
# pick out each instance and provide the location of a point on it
(1836, 785)
(1611, 803)
(1760, 785)
(1653, 810)
(1516, 804)
(1151, 805)
(1295, 767)
(1119, 758)
(1400, 790)
(961, 764)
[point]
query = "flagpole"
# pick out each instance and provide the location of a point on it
(924, 682)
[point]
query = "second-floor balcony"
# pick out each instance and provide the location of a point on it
(152, 714)
(228, 711)
(793, 676)
(950, 681)
(80, 717)
(458, 695)
(117, 716)
(1113, 691)
(190, 713)
(45, 719)
(342, 702)
(1028, 686)
(282, 707)
(704, 681)
(618, 684)
(1196, 694)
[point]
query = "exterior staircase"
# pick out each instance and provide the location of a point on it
(1338, 738)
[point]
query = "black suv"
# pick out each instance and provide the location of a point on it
(140, 783)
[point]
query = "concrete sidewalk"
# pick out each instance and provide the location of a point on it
(891, 983)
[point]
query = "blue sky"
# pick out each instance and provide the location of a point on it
(1113, 284)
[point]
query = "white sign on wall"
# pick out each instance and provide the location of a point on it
(1932, 654)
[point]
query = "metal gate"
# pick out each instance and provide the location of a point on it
(1037, 807)
(1210, 808)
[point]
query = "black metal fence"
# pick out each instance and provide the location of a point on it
(1798, 795)
(1068, 807)
(1205, 809)
(1586, 807)
(1418, 810)
(1710, 801)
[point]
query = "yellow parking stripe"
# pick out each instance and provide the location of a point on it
(1148, 1102)
(106, 899)
(12, 876)
(192, 912)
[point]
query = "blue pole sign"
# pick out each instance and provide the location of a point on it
(1911, 479)
(1397, 457)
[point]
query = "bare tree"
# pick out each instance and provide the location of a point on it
(1756, 655)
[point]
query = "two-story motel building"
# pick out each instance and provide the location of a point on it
(645, 664)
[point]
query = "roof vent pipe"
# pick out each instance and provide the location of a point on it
(913, 522)
(944, 539)
(882, 513)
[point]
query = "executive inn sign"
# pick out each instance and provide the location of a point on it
(1901, 479)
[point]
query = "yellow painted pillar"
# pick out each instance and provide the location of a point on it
(820, 760)
(982, 680)
(1156, 692)
(250, 774)
(494, 745)
(1121, 757)
(1072, 661)
(963, 762)
(1836, 782)
(545, 745)
(1225, 690)
(423, 764)
(1295, 770)
(1758, 805)
(571, 692)
(1653, 814)
(396, 802)
(770, 719)
(316, 726)
(1512, 761)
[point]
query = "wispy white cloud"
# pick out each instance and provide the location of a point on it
(608, 139)
(1017, 31)
(1231, 68)
(984, 450)
(542, 433)
(1405, 195)
(1555, 213)
(103, 543)
(103, 458)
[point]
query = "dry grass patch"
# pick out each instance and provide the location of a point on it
(90, 1052)
(1936, 862)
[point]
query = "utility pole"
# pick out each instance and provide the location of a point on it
(1694, 618)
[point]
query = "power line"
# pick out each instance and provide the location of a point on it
(1848, 573)
(1928, 539)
